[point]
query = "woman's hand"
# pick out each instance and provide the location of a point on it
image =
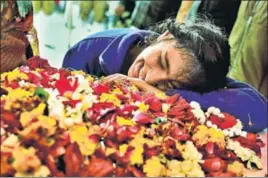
(140, 84)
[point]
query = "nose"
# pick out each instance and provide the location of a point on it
(155, 76)
(153, 73)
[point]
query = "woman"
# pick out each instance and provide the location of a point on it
(248, 55)
(16, 27)
(190, 59)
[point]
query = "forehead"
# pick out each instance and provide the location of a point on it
(177, 58)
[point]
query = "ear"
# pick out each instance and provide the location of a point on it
(165, 35)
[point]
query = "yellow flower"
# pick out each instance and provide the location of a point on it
(123, 149)
(43, 171)
(10, 143)
(122, 121)
(14, 75)
(137, 156)
(80, 72)
(139, 140)
(185, 168)
(133, 88)
(47, 120)
(217, 136)
(13, 95)
(165, 107)
(105, 97)
(90, 78)
(77, 133)
(154, 168)
(25, 159)
(204, 134)
(109, 151)
(237, 168)
(26, 117)
(174, 169)
(143, 107)
(189, 151)
(44, 127)
(161, 95)
(80, 135)
(87, 147)
(196, 171)
(117, 91)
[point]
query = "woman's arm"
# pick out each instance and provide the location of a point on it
(140, 84)
(238, 99)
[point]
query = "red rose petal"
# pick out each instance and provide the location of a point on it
(223, 123)
(214, 165)
(100, 88)
(73, 159)
(143, 118)
(172, 99)
(98, 167)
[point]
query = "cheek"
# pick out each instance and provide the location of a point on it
(130, 70)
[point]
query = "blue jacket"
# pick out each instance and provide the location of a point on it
(103, 53)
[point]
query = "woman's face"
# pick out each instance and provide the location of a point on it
(160, 64)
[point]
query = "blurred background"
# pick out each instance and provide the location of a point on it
(61, 24)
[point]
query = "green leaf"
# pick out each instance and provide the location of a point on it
(41, 93)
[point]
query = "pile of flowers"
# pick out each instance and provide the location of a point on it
(67, 123)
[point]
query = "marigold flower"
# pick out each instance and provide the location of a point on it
(154, 168)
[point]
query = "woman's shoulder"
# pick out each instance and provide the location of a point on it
(112, 33)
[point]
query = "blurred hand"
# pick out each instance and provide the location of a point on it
(140, 84)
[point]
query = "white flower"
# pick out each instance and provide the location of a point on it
(244, 153)
(55, 105)
(231, 134)
(2, 131)
(211, 110)
(195, 105)
(216, 111)
(233, 129)
(209, 123)
(239, 124)
(214, 126)
(190, 152)
(243, 134)
(238, 132)
(83, 86)
(221, 115)
(225, 132)
(10, 141)
(202, 120)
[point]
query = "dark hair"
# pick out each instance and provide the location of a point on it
(205, 46)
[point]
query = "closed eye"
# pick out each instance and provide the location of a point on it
(160, 62)
(165, 61)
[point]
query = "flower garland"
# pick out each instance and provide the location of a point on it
(70, 124)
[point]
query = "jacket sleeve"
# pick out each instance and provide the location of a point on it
(238, 99)
(85, 55)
